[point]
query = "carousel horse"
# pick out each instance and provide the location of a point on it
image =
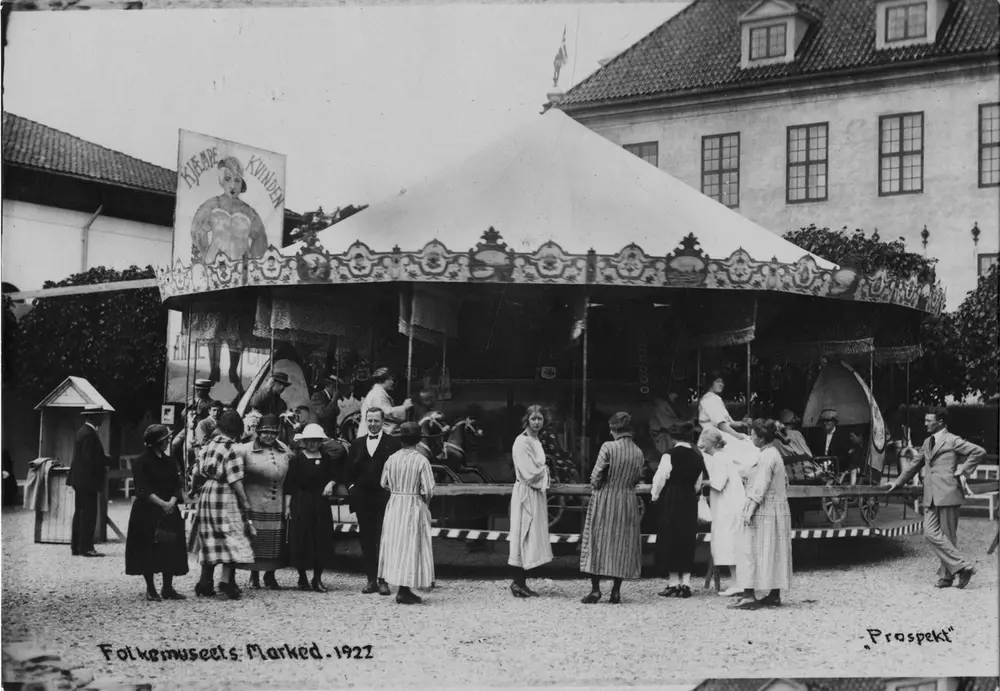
(454, 447)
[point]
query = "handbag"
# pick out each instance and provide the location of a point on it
(704, 512)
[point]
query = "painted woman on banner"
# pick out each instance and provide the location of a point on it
(226, 223)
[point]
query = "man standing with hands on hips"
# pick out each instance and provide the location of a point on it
(943, 493)
(86, 477)
(367, 498)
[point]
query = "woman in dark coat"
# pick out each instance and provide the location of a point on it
(675, 493)
(156, 541)
(312, 475)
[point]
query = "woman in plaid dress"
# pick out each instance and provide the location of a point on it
(612, 542)
(222, 528)
(764, 560)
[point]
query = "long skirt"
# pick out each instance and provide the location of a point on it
(677, 529)
(142, 553)
(612, 543)
(529, 528)
(405, 556)
(764, 559)
(727, 522)
(310, 531)
(268, 516)
(219, 535)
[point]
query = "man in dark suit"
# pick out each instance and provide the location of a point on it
(86, 477)
(832, 440)
(947, 459)
(325, 405)
(367, 498)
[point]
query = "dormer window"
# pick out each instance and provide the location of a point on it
(771, 32)
(901, 23)
(768, 42)
(906, 22)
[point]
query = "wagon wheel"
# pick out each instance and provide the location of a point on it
(556, 506)
(869, 509)
(835, 509)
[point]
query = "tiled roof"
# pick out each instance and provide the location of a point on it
(699, 49)
(33, 145)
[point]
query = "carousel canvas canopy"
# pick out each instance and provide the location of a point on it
(556, 181)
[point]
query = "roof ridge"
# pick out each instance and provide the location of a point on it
(87, 141)
(634, 46)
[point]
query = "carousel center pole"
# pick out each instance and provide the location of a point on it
(749, 362)
(585, 451)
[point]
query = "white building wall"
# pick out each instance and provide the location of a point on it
(44, 243)
(951, 201)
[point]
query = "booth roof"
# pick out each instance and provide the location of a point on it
(556, 180)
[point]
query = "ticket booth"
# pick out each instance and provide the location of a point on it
(60, 419)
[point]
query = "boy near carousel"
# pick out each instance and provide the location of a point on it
(948, 459)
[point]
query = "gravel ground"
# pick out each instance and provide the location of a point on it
(471, 633)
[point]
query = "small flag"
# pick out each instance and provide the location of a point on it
(561, 57)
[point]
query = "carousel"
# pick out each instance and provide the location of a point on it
(552, 267)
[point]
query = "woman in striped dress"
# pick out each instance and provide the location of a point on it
(612, 543)
(265, 460)
(406, 557)
(764, 561)
(529, 512)
(222, 529)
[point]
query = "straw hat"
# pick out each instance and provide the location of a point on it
(829, 414)
(311, 431)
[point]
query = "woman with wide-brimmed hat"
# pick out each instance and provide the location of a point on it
(155, 542)
(223, 526)
(405, 557)
(312, 476)
(265, 460)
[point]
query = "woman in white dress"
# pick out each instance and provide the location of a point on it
(726, 501)
(529, 513)
(712, 413)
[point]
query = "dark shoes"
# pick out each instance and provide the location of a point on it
(255, 583)
(669, 591)
(231, 591)
(153, 596)
(683, 591)
(965, 575)
(747, 604)
(528, 590)
(204, 589)
(519, 590)
(592, 597)
(383, 589)
(271, 583)
(616, 598)
(304, 585)
(372, 587)
(318, 587)
(92, 553)
(770, 601)
(943, 583)
(408, 598)
(171, 594)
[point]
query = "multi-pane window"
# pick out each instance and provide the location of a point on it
(986, 261)
(720, 168)
(901, 154)
(905, 22)
(647, 151)
(989, 145)
(807, 163)
(767, 42)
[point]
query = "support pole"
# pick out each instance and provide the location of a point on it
(697, 370)
(409, 352)
(749, 362)
(585, 442)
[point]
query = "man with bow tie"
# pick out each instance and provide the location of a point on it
(367, 498)
(948, 460)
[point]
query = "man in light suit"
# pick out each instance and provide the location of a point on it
(947, 458)
(367, 498)
(86, 477)
(379, 397)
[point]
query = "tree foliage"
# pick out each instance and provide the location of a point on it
(115, 340)
(977, 339)
(315, 221)
(867, 253)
